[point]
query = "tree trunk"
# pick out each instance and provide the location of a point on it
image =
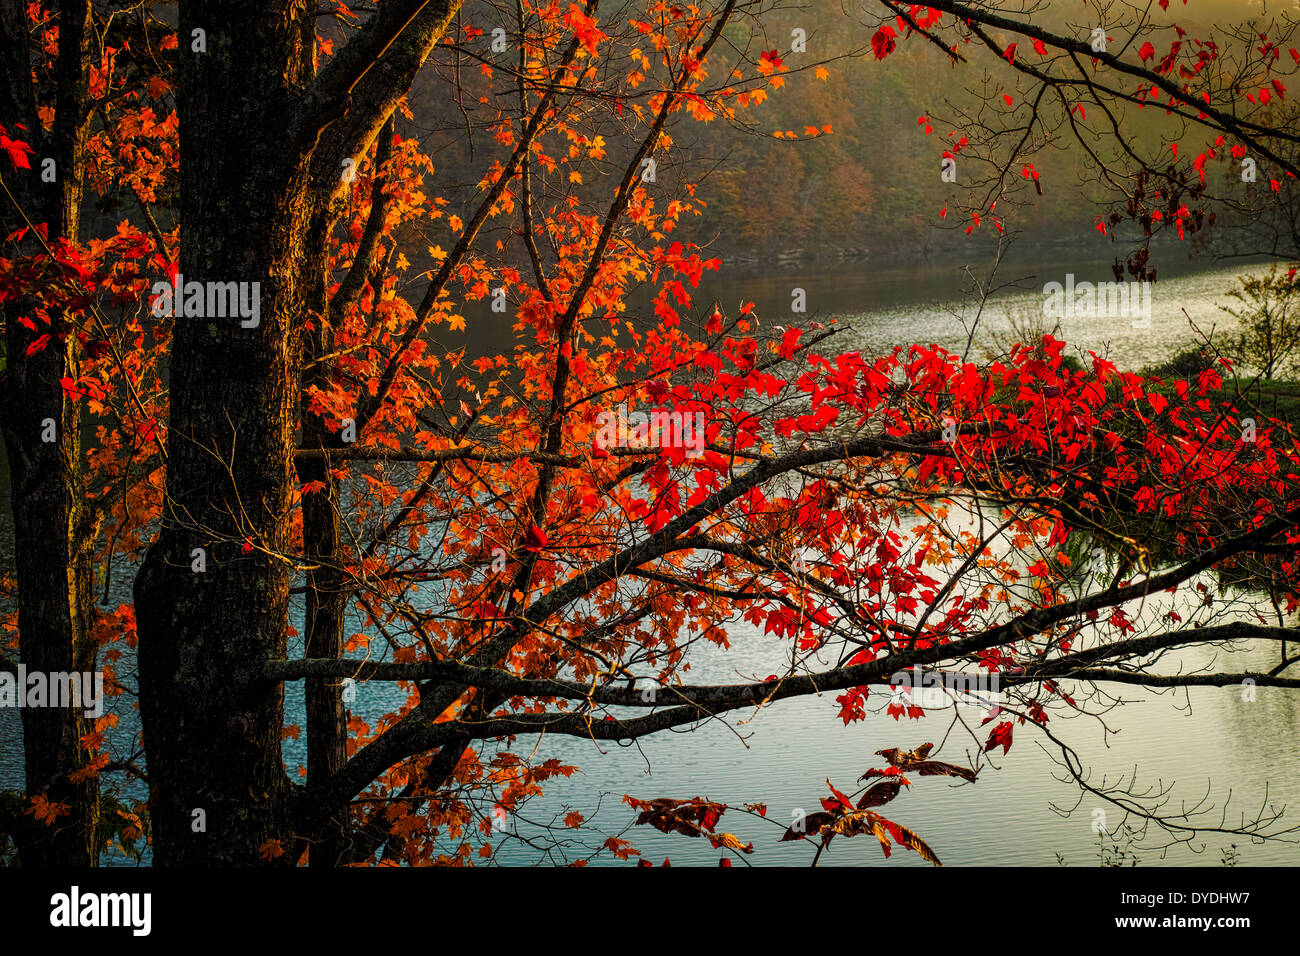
(327, 596)
(257, 180)
(53, 537)
(212, 724)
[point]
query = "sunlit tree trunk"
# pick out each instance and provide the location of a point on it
(261, 146)
(53, 531)
(212, 596)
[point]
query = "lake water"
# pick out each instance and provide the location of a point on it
(1203, 745)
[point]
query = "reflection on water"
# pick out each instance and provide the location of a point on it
(1191, 744)
(1204, 739)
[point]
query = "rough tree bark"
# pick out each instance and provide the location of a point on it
(53, 532)
(258, 180)
(211, 725)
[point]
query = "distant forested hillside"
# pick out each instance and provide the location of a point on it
(771, 183)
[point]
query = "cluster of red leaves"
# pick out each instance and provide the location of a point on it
(839, 816)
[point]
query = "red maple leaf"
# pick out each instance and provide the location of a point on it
(883, 42)
(534, 539)
(16, 149)
(1000, 737)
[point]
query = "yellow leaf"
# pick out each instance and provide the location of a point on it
(731, 842)
(822, 73)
